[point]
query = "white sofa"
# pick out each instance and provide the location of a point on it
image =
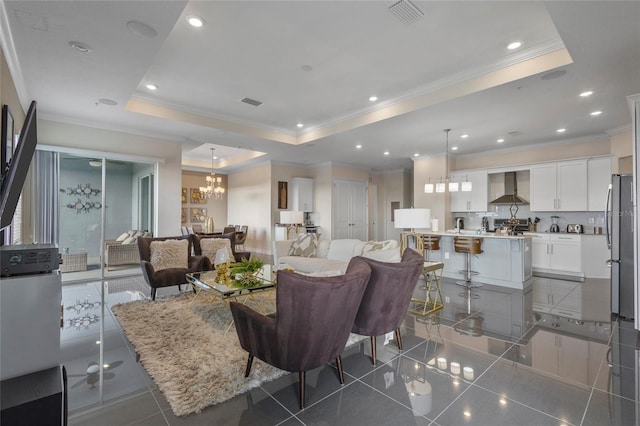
(332, 256)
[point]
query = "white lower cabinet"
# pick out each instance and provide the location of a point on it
(559, 252)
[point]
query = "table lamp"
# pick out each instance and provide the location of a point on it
(291, 218)
(412, 219)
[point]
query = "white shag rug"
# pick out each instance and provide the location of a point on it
(183, 348)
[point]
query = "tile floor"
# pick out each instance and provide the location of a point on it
(549, 355)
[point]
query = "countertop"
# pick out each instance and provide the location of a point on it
(470, 233)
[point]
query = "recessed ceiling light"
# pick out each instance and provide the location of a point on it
(586, 93)
(151, 86)
(561, 130)
(416, 155)
(514, 45)
(299, 125)
(195, 21)
(500, 140)
(454, 148)
(358, 146)
(373, 98)
(464, 136)
(80, 46)
(594, 113)
(386, 153)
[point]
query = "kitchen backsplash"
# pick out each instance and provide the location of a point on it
(588, 220)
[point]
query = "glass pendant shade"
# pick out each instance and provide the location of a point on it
(466, 186)
(453, 186)
(428, 188)
(440, 187)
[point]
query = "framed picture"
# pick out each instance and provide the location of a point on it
(394, 205)
(183, 196)
(196, 198)
(183, 214)
(283, 194)
(198, 215)
(7, 136)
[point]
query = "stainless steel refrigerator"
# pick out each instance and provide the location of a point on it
(619, 229)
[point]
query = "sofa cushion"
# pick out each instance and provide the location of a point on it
(312, 264)
(344, 249)
(305, 245)
(210, 246)
(128, 240)
(122, 237)
(323, 248)
(391, 255)
(169, 254)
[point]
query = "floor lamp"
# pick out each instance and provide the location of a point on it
(412, 219)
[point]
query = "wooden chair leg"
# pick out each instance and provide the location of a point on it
(301, 384)
(249, 363)
(340, 372)
(373, 350)
(153, 294)
(398, 338)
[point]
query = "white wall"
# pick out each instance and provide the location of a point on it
(249, 203)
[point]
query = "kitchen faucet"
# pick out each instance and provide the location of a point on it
(458, 220)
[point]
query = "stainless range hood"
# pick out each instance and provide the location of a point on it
(510, 191)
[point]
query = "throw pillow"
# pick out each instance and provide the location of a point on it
(128, 240)
(378, 246)
(169, 254)
(122, 237)
(305, 245)
(210, 247)
(391, 255)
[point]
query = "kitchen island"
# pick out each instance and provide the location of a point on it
(505, 259)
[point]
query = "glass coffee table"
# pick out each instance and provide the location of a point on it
(207, 284)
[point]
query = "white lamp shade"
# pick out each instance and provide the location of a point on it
(291, 217)
(412, 218)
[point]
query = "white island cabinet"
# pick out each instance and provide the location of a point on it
(505, 260)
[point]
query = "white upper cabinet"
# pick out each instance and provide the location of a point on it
(559, 186)
(475, 200)
(302, 194)
(599, 178)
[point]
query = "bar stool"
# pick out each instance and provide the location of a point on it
(430, 243)
(468, 246)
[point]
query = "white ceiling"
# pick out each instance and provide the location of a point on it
(317, 63)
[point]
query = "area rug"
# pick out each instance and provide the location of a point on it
(183, 348)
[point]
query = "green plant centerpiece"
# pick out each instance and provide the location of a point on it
(245, 273)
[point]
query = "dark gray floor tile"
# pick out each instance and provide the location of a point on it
(552, 396)
(125, 411)
(358, 404)
(480, 407)
(610, 410)
(617, 380)
(254, 407)
(156, 420)
(320, 382)
(623, 335)
(291, 421)
(429, 390)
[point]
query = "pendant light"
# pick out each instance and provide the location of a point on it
(447, 184)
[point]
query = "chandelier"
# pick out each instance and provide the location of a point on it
(448, 183)
(214, 186)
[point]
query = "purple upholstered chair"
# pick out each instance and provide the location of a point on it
(311, 325)
(387, 297)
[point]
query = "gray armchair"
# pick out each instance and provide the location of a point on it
(311, 325)
(387, 297)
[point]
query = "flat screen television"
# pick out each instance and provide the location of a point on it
(13, 179)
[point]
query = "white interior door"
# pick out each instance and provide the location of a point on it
(350, 209)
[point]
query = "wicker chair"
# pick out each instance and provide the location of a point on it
(116, 254)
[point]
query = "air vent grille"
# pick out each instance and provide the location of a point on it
(406, 11)
(251, 101)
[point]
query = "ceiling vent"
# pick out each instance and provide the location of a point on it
(251, 101)
(406, 11)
